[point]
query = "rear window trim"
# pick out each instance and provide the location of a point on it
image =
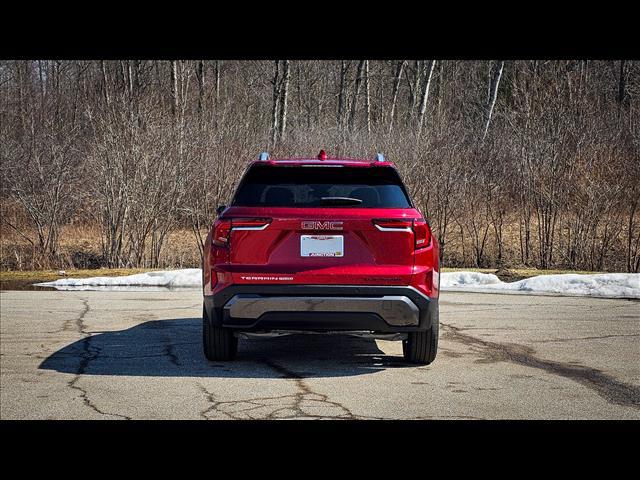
(254, 166)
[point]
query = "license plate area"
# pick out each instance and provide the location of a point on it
(321, 245)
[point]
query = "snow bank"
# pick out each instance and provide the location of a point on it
(457, 279)
(625, 285)
(189, 277)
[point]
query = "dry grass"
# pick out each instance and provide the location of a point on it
(80, 255)
(18, 279)
(80, 248)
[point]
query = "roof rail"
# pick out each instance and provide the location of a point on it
(379, 157)
(264, 156)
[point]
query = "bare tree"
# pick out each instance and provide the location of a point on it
(126, 161)
(394, 95)
(342, 96)
(284, 93)
(367, 104)
(493, 94)
(275, 108)
(425, 97)
(356, 93)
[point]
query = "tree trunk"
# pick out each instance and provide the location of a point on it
(174, 88)
(630, 252)
(201, 85)
(394, 95)
(105, 84)
(217, 72)
(622, 84)
(493, 94)
(354, 101)
(439, 93)
(413, 92)
(344, 68)
(283, 99)
(425, 97)
(276, 104)
(367, 98)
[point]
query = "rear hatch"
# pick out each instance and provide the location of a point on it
(321, 225)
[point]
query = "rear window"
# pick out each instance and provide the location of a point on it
(266, 186)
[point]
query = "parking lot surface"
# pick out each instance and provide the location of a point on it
(137, 355)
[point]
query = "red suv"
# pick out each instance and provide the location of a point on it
(321, 245)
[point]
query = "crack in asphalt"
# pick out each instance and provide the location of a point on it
(68, 325)
(167, 344)
(598, 337)
(451, 417)
(612, 390)
(306, 394)
(291, 406)
(169, 353)
(137, 310)
(280, 407)
(89, 353)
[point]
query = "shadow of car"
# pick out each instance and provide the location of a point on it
(173, 348)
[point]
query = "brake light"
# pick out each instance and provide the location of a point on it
(422, 232)
(221, 232)
(219, 252)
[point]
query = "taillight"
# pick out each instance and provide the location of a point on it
(419, 227)
(250, 223)
(223, 227)
(390, 224)
(422, 232)
(221, 232)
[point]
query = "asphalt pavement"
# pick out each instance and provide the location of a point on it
(138, 355)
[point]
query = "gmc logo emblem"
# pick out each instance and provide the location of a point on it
(316, 225)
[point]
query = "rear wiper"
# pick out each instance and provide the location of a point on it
(340, 201)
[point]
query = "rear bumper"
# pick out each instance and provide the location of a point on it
(322, 308)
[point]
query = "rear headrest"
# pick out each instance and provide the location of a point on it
(279, 196)
(368, 195)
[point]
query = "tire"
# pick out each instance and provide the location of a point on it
(421, 347)
(219, 343)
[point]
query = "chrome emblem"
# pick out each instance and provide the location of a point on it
(317, 225)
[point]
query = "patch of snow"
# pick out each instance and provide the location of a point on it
(117, 288)
(186, 278)
(612, 285)
(456, 279)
